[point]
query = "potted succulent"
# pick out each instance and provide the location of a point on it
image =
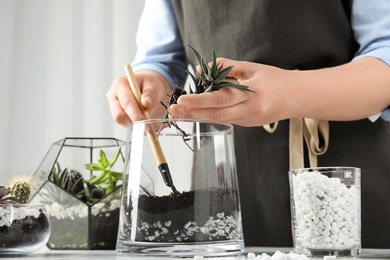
(80, 185)
(24, 228)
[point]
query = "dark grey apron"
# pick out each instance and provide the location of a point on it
(289, 34)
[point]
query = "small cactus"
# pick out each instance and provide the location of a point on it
(21, 190)
(21, 187)
(5, 199)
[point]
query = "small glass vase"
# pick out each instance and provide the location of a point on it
(204, 216)
(325, 206)
(24, 228)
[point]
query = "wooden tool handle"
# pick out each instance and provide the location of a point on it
(135, 89)
(156, 147)
(158, 154)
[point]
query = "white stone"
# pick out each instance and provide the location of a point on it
(279, 256)
(263, 256)
(6, 221)
(321, 213)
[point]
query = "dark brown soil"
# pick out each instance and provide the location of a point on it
(24, 232)
(201, 215)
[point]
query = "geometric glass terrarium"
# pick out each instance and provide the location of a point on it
(79, 183)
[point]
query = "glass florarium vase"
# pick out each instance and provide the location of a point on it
(180, 193)
(23, 229)
(326, 211)
(80, 185)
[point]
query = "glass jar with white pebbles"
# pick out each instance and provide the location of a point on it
(325, 208)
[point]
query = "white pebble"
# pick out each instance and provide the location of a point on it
(329, 257)
(316, 200)
(264, 256)
(251, 255)
(321, 213)
(279, 256)
(6, 222)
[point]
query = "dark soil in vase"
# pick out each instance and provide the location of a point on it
(193, 216)
(24, 233)
(76, 233)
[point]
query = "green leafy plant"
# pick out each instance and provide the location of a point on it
(104, 183)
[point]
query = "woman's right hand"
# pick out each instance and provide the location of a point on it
(123, 104)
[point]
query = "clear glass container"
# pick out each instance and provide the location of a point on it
(79, 223)
(24, 228)
(325, 206)
(204, 216)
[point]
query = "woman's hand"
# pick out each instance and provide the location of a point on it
(123, 105)
(240, 107)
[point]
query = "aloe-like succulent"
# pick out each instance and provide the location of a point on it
(212, 77)
(104, 183)
(69, 180)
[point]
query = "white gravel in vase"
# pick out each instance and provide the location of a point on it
(10, 213)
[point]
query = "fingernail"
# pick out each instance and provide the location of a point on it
(175, 111)
(182, 101)
(148, 100)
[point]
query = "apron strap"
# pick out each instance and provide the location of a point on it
(309, 129)
(312, 128)
(270, 128)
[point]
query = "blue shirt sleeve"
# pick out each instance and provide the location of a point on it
(159, 46)
(371, 25)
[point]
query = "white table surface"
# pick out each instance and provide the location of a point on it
(45, 253)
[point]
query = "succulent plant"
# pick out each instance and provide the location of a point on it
(212, 78)
(21, 190)
(5, 199)
(69, 180)
(73, 182)
(104, 183)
